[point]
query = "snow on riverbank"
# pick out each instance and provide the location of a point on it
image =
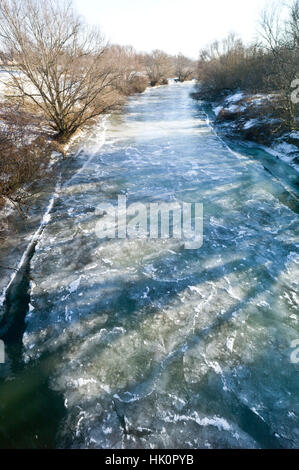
(4, 78)
(248, 116)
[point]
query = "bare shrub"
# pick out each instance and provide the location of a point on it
(132, 78)
(24, 156)
(221, 66)
(268, 66)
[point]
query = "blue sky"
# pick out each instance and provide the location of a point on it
(172, 25)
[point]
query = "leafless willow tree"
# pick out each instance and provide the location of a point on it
(62, 66)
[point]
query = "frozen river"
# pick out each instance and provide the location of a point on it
(134, 343)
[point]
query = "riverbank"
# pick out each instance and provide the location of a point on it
(251, 118)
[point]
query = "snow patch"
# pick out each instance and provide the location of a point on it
(250, 123)
(217, 110)
(235, 97)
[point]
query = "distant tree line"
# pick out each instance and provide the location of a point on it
(268, 66)
(160, 66)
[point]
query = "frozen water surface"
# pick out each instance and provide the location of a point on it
(151, 345)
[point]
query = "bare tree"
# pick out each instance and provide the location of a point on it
(222, 66)
(183, 67)
(281, 41)
(65, 68)
(132, 78)
(157, 66)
